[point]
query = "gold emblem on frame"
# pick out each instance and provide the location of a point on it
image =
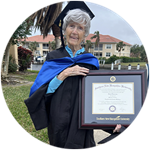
(112, 79)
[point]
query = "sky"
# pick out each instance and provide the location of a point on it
(107, 22)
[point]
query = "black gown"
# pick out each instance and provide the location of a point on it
(59, 111)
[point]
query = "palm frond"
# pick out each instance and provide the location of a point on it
(39, 18)
(93, 37)
(97, 36)
(45, 13)
(45, 17)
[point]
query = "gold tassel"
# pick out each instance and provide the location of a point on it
(60, 23)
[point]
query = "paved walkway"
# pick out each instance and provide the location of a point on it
(100, 135)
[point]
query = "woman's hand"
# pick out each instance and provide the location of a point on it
(73, 71)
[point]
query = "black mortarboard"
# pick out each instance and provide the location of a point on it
(71, 5)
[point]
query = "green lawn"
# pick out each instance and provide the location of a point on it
(28, 75)
(134, 63)
(15, 97)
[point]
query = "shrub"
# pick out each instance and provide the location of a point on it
(25, 58)
(125, 59)
(130, 59)
(111, 59)
(12, 66)
(102, 58)
(136, 59)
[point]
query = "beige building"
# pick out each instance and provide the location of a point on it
(107, 46)
(43, 44)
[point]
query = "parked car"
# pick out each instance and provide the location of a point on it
(40, 58)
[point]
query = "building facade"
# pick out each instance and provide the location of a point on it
(42, 47)
(106, 48)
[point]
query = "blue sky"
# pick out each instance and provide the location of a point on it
(110, 23)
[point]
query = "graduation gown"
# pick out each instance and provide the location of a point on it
(59, 111)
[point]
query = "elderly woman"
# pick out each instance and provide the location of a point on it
(76, 27)
(63, 129)
(54, 96)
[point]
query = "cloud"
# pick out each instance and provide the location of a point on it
(108, 22)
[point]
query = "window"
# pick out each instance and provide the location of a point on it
(45, 46)
(108, 54)
(97, 54)
(108, 46)
(37, 45)
(100, 47)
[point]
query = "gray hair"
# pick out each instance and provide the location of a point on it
(77, 16)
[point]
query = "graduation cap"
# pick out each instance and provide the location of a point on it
(71, 5)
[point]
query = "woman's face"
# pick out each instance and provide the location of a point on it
(75, 33)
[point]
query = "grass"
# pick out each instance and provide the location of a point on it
(28, 75)
(134, 63)
(32, 71)
(30, 78)
(15, 97)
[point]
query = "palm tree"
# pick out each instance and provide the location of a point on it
(52, 46)
(44, 20)
(20, 33)
(33, 46)
(5, 62)
(120, 47)
(88, 45)
(97, 36)
(49, 46)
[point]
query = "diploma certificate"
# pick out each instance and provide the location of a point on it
(113, 98)
(110, 97)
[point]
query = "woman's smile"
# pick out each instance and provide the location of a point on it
(74, 38)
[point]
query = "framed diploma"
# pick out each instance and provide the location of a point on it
(110, 97)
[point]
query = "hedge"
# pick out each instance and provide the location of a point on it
(130, 59)
(124, 59)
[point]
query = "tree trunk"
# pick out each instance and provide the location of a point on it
(50, 47)
(6, 59)
(120, 52)
(56, 33)
(57, 42)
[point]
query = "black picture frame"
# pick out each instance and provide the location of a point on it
(88, 120)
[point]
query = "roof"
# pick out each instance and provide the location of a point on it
(105, 39)
(39, 38)
(50, 37)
